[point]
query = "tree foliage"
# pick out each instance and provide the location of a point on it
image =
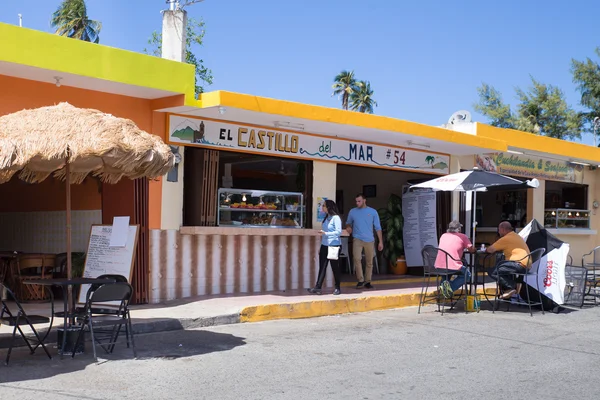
(343, 86)
(194, 37)
(542, 109)
(586, 75)
(355, 95)
(70, 19)
(361, 98)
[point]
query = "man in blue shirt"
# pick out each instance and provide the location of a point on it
(360, 224)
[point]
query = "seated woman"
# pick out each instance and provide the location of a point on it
(454, 243)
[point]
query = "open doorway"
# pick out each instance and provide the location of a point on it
(378, 185)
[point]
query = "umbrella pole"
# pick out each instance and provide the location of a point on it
(474, 217)
(69, 261)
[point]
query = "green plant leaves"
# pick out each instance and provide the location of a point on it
(393, 224)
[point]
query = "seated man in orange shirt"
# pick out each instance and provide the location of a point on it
(515, 252)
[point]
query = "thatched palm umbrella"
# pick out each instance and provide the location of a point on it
(72, 142)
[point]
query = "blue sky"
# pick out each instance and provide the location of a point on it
(424, 58)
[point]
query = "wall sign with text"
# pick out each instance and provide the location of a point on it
(194, 131)
(530, 167)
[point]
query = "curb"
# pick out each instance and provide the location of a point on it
(265, 312)
(139, 327)
(322, 308)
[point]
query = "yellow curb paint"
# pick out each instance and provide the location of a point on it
(321, 308)
(393, 281)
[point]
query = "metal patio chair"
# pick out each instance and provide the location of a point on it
(591, 262)
(104, 326)
(21, 318)
(429, 254)
(534, 258)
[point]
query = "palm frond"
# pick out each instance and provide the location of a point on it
(70, 19)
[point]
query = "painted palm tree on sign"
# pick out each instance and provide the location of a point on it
(70, 19)
(361, 99)
(343, 86)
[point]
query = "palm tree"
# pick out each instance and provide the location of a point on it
(71, 20)
(361, 99)
(343, 86)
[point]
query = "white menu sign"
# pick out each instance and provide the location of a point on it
(231, 136)
(419, 212)
(102, 258)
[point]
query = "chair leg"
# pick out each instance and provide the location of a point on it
(78, 338)
(422, 298)
(537, 282)
(438, 282)
(12, 341)
(115, 337)
(527, 294)
(131, 333)
(40, 342)
(90, 325)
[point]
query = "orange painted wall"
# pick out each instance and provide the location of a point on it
(17, 94)
(18, 196)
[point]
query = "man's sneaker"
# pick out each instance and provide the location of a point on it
(337, 292)
(446, 290)
(359, 285)
(368, 285)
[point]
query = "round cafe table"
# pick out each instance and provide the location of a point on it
(64, 284)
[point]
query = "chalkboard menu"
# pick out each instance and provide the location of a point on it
(103, 259)
(419, 212)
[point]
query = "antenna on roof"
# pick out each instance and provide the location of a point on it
(462, 116)
(20, 20)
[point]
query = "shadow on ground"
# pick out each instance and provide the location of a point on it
(167, 346)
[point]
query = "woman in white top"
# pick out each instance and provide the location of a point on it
(332, 232)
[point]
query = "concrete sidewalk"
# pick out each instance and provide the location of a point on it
(229, 309)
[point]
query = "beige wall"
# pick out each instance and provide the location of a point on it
(172, 200)
(351, 179)
(581, 244)
(324, 178)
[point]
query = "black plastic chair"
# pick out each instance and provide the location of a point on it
(112, 292)
(16, 321)
(429, 254)
(533, 258)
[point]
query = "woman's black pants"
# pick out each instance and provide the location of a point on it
(335, 266)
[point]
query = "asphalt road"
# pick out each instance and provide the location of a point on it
(381, 355)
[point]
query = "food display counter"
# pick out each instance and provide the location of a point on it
(247, 208)
(566, 218)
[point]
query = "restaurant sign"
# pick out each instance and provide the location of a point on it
(224, 135)
(530, 167)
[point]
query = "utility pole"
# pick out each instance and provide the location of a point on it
(20, 20)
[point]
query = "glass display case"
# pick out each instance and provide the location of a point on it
(565, 218)
(260, 209)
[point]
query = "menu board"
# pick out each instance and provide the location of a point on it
(101, 258)
(419, 212)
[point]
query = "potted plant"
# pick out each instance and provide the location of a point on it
(392, 224)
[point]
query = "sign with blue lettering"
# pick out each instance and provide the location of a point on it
(224, 135)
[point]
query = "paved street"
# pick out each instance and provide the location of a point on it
(380, 355)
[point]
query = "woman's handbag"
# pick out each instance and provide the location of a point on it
(333, 252)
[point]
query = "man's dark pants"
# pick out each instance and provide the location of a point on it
(502, 274)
